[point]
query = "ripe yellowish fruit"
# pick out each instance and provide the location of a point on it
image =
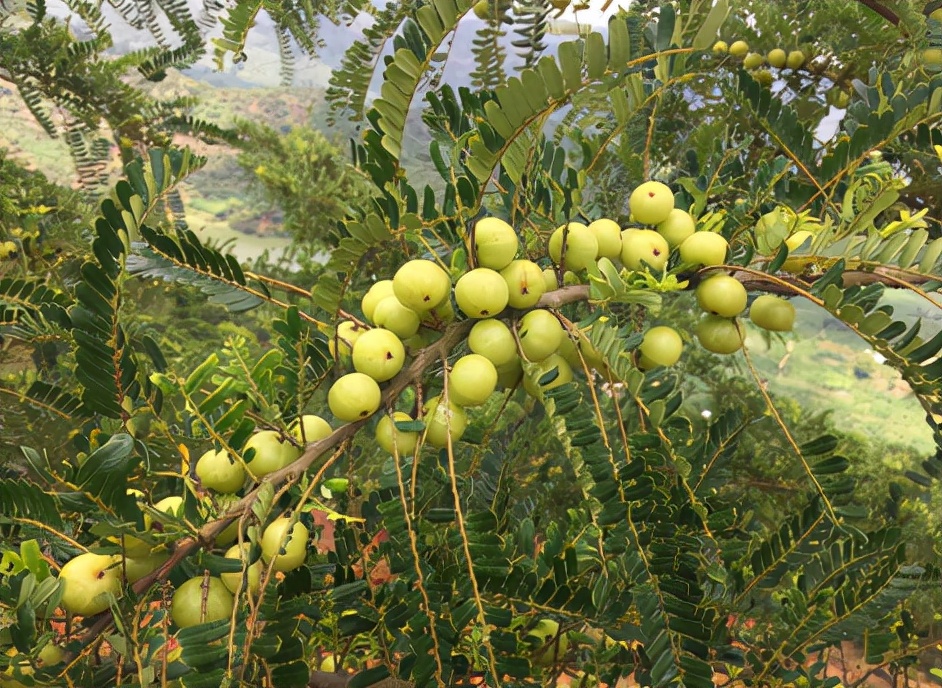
(172, 505)
(493, 340)
(218, 471)
(763, 77)
(272, 453)
(644, 247)
(354, 396)
(88, 582)
(379, 353)
(551, 650)
(288, 548)
(540, 334)
(650, 203)
(777, 58)
(472, 380)
(510, 373)
(379, 291)
(563, 374)
(341, 344)
(549, 280)
(568, 349)
(136, 568)
(442, 313)
(310, 428)
(574, 245)
(932, 57)
(720, 48)
(253, 573)
(495, 243)
(524, 283)
(661, 346)
(795, 59)
(389, 438)
(704, 248)
(442, 421)
(7, 249)
(772, 313)
(482, 9)
(720, 335)
(722, 295)
(677, 227)
(753, 61)
(481, 293)
(421, 285)
(197, 595)
(739, 48)
(608, 235)
(391, 315)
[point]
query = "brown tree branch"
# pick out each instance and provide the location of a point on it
(880, 9)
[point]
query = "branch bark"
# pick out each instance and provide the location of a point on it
(882, 10)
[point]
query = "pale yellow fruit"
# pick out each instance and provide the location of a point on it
(201, 600)
(561, 374)
(253, 579)
(394, 441)
(310, 428)
(287, 548)
(795, 59)
(472, 380)
(608, 234)
(442, 421)
(89, 581)
(651, 203)
(575, 245)
(739, 48)
(753, 61)
(353, 397)
(777, 58)
(495, 243)
(374, 295)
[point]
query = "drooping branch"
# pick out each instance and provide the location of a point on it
(882, 10)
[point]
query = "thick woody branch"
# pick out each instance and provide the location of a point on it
(882, 10)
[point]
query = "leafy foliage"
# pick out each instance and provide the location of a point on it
(446, 565)
(303, 159)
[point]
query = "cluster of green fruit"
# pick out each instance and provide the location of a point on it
(502, 293)
(512, 339)
(755, 62)
(89, 580)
